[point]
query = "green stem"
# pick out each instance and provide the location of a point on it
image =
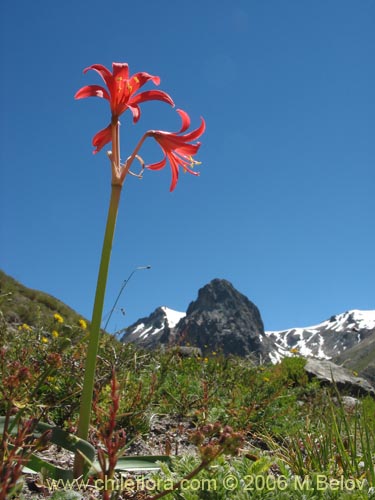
(89, 377)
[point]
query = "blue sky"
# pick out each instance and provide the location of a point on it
(284, 206)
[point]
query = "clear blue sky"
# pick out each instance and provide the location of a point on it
(284, 207)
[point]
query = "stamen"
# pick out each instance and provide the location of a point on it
(193, 162)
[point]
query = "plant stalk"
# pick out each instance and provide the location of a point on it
(89, 376)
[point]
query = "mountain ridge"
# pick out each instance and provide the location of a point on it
(221, 319)
(319, 340)
(229, 317)
(219, 305)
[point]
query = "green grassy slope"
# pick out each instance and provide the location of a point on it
(20, 304)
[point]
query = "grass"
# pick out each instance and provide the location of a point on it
(300, 439)
(20, 304)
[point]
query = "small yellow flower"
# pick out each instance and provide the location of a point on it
(55, 334)
(82, 323)
(294, 350)
(214, 353)
(205, 360)
(25, 327)
(44, 340)
(58, 318)
(266, 379)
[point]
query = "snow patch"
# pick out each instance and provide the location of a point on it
(173, 317)
(139, 328)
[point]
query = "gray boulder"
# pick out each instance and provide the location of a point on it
(329, 373)
(187, 351)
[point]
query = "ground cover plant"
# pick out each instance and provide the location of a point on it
(290, 436)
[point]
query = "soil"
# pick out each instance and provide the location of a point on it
(167, 436)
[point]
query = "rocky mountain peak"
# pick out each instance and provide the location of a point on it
(219, 294)
(224, 320)
(221, 319)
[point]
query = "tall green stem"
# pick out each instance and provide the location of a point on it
(89, 377)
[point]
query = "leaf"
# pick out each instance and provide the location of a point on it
(140, 463)
(59, 437)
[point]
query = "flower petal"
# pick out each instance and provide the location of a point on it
(150, 95)
(102, 138)
(103, 72)
(120, 70)
(92, 91)
(174, 167)
(172, 141)
(139, 79)
(157, 166)
(185, 120)
(134, 108)
(188, 149)
(195, 133)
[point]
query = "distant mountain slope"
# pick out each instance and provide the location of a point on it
(328, 339)
(153, 330)
(361, 358)
(20, 304)
(224, 320)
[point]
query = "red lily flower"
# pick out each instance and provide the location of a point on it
(121, 95)
(177, 149)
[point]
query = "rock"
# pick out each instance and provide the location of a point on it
(350, 403)
(329, 373)
(223, 320)
(220, 320)
(150, 332)
(187, 351)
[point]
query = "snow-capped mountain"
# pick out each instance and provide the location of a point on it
(153, 330)
(222, 319)
(326, 340)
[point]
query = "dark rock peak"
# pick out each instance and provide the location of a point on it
(223, 319)
(221, 294)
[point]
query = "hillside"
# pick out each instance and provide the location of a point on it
(361, 358)
(20, 304)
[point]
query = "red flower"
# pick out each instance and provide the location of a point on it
(177, 149)
(121, 95)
